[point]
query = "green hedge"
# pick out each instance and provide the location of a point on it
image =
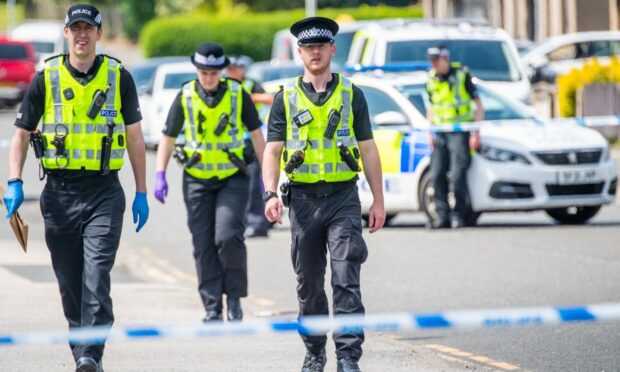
(247, 33)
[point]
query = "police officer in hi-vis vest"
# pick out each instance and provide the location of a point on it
(319, 127)
(216, 114)
(90, 113)
(256, 222)
(451, 94)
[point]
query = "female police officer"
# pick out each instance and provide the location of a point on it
(216, 113)
(90, 112)
(321, 122)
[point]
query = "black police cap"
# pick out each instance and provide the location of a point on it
(314, 30)
(83, 12)
(210, 56)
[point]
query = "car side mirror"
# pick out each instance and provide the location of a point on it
(390, 118)
(539, 61)
(144, 90)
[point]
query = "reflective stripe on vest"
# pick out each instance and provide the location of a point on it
(322, 161)
(66, 106)
(200, 136)
(450, 102)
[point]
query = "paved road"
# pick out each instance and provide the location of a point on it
(510, 260)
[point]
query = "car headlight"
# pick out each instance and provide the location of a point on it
(501, 155)
(606, 154)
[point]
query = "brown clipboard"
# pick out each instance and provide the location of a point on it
(18, 224)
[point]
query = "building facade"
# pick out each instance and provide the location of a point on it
(532, 19)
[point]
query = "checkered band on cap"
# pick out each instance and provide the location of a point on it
(209, 60)
(314, 32)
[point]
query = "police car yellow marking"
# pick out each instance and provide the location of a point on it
(389, 145)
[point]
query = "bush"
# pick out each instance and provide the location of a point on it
(246, 33)
(591, 73)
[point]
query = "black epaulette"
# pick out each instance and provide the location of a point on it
(114, 58)
(54, 56)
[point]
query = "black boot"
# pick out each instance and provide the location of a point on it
(234, 311)
(212, 316)
(314, 362)
(87, 364)
(348, 364)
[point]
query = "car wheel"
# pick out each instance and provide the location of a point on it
(573, 215)
(388, 218)
(425, 196)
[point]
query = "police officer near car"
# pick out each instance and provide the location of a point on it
(90, 116)
(452, 96)
(216, 114)
(319, 126)
(257, 224)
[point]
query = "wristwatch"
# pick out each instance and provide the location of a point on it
(268, 195)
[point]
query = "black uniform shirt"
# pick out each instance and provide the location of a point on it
(276, 130)
(176, 115)
(33, 104)
(470, 87)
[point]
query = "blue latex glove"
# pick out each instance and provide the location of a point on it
(140, 209)
(14, 197)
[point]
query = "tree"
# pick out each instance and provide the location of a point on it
(138, 13)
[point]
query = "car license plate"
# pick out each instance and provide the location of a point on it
(577, 176)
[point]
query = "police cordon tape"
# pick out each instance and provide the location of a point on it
(590, 121)
(319, 325)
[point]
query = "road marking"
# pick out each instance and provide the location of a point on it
(464, 357)
(149, 264)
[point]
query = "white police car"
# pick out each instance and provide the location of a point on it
(489, 52)
(524, 163)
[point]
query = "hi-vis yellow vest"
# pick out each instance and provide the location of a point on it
(200, 123)
(66, 105)
(322, 161)
(450, 102)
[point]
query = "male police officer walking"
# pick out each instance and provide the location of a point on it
(90, 116)
(451, 92)
(321, 122)
(217, 113)
(257, 224)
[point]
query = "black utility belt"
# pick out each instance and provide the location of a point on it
(322, 189)
(79, 176)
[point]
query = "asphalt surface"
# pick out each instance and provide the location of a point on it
(510, 260)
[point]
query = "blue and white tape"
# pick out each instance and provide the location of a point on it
(591, 121)
(320, 325)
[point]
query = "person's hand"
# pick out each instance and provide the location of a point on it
(140, 209)
(376, 216)
(273, 210)
(14, 197)
(474, 141)
(161, 186)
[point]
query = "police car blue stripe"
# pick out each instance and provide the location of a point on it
(321, 324)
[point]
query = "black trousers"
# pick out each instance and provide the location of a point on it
(83, 221)
(255, 210)
(451, 153)
(319, 224)
(215, 219)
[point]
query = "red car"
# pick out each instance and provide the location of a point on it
(17, 67)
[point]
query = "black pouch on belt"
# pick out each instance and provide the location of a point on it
(285, 190)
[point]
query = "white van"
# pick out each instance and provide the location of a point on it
(47, 38)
